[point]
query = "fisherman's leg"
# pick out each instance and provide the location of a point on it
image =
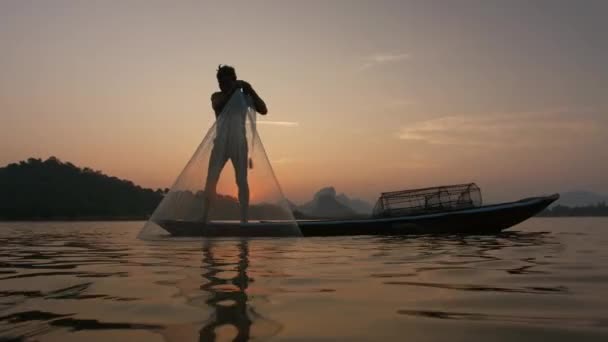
(239, 161)
(217, 160)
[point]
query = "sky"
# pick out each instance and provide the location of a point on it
(365, 96)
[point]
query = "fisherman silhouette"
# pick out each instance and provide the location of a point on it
(230, 142)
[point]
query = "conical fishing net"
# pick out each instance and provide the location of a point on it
(228, 187)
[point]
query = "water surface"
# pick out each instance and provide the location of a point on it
(546, 279)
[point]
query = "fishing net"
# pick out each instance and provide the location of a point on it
(213, 198)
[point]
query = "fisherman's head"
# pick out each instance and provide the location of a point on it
(226, 77)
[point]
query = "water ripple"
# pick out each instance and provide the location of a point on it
(97, 281)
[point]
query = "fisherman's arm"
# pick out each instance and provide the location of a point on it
(258, 103)
(217, 102)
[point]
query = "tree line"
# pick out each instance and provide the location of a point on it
(599, 209)
(52, 189)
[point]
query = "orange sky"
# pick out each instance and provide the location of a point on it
(366, 96)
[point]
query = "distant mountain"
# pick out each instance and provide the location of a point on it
(327, 204)
(324, 204)
(600, 209)
(51, 189)
(580, 199)
(359, 206)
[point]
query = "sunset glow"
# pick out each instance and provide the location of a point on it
(362, 97)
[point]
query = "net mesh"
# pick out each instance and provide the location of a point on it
(209, 194)
(427, 200)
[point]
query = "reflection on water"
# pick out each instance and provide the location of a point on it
(594, 322)
(95, 281)
(228, 295)
(229, 300)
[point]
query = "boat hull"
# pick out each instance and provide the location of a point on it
(483, 220)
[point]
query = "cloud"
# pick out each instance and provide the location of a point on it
(383, 58)
(501, 130)
(282, 161)
(398, 103)
(280, 123)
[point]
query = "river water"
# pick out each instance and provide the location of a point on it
(546, 278)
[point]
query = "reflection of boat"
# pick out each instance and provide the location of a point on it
(460, 219)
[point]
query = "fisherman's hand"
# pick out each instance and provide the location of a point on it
(247, 89)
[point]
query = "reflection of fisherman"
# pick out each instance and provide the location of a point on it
(230, 142)
(235, 314)
(231, 305)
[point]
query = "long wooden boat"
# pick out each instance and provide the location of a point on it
(486, 219)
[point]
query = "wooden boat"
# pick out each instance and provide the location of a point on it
(487, 219)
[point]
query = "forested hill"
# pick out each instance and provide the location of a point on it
(51, 189)
(600, 209)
